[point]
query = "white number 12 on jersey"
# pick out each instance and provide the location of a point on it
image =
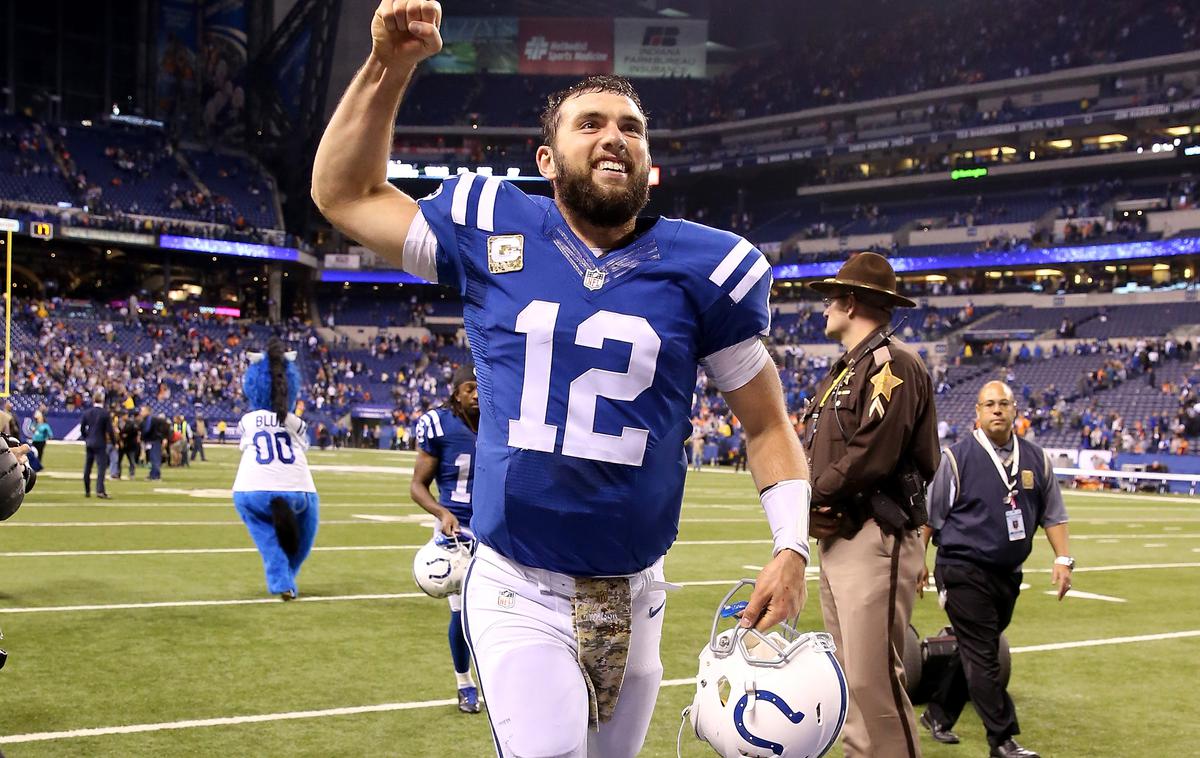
(580, 440)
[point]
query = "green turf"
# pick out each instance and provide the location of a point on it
(79, 669)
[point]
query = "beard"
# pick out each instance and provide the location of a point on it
(604, 207)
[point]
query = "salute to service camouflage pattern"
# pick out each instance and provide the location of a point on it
(603, 624)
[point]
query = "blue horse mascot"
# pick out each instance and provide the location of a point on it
(274, 491)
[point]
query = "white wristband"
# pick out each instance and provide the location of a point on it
(786, 505)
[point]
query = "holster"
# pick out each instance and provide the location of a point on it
(898, 505)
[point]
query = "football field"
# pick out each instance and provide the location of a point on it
(140, 625)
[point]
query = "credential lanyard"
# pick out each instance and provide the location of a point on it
(834, 386)
(1010, 481)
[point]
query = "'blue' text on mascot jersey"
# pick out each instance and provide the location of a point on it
(446, 437)
(586, 369)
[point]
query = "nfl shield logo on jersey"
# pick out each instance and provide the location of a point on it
(593, 279)
(506, 252)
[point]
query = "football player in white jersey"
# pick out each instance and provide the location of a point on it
(274, 492)
(587, 325)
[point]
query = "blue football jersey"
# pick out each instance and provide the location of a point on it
(445, 436)
(586, 367)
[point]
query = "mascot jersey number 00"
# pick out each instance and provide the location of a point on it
(274, 492)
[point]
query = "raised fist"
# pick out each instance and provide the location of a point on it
(405, 32)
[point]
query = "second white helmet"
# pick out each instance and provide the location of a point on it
(441, 564)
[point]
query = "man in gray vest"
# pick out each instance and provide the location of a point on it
(991, 492)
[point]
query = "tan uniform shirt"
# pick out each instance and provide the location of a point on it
(883, 400)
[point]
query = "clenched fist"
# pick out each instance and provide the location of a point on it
(405, 32)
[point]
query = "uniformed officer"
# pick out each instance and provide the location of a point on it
(991, 492)
(871, 437)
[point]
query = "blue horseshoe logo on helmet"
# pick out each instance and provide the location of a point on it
(739, 710)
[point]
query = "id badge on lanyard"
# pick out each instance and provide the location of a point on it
(1013, 517)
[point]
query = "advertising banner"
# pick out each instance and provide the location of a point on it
(649, 47)
(565, 46)
(228, 247)
(107, 235)
(472, 44)
(342, 260)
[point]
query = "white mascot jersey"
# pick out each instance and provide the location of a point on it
(273, 455)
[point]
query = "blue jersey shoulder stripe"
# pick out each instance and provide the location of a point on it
(462, 193)
(733, 260)
(730, 262)
(481, 196)
(756, 272)
(486, 214)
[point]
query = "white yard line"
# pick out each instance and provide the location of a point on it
(340, 548)
(1088, 596)
(227, 505)
(1126, 567)
(353, 469)
(1108, 641)
(228, 721)
(1104, 537)
(422, 704)
(51, 524)
(202, 603)
(1127, 496)
(812, 573)
(196, 551)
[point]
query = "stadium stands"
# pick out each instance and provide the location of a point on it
(27, 168)
(880, 55)
(131, 179)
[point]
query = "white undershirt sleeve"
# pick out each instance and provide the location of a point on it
(733, 367)
(420, 250)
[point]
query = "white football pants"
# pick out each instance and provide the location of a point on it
(519, 622)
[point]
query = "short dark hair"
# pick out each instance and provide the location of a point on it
(618, 85)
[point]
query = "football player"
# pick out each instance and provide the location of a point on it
(446, 452)
(587, 325)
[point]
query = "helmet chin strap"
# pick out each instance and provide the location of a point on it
(683, 718)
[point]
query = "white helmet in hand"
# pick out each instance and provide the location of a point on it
(440, 566)
(765, 695)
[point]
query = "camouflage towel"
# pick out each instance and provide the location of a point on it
(603, 622)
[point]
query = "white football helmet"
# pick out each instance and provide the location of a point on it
(440, 566)
(765, 695)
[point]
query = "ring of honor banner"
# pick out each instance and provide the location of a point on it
(660, 48)
(565, 46)
(635, 47)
